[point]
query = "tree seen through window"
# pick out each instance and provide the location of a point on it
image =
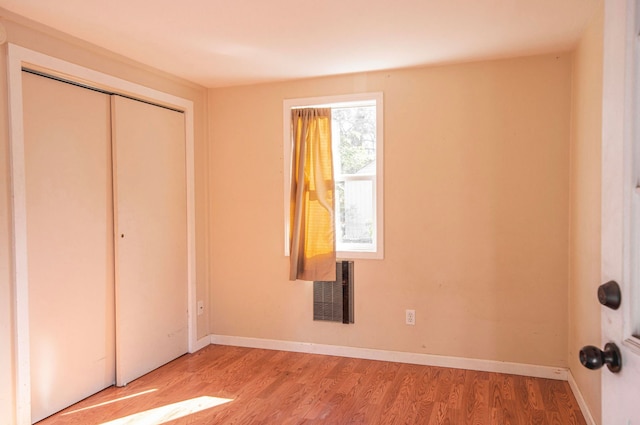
(354, 139)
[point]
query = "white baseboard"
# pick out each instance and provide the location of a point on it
(200, 344)
(588, 417)
(396, 356)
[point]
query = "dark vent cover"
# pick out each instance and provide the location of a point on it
(333, 301)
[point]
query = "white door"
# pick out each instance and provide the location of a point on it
(151, 236)
(621, 209)
(70, 242)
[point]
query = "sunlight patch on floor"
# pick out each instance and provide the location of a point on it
(170, 412)
(109, 402)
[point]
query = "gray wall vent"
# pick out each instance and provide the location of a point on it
(333, 301)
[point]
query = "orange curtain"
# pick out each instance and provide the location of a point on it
(312, 239)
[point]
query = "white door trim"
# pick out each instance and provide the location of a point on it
(19, 57)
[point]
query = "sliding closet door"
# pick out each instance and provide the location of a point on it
(151, 236)
(70, 242)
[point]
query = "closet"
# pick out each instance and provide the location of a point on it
(106, 239)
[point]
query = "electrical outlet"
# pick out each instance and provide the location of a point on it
(410, 317)
(200, 307)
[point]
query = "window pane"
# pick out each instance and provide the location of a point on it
(355, 210)
(354, 141)
(354, 133)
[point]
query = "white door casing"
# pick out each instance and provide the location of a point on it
(619, 249)
(19, 57)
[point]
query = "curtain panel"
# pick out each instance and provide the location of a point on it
(312, 239)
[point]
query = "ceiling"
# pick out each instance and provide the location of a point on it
(235, 42)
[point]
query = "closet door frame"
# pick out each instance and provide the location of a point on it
(19, 58)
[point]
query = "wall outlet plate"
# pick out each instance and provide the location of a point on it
(410, 317)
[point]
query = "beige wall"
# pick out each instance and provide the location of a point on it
(584, 258)
(32, 36)
(476, 213)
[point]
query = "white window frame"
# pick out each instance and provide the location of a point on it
(335, 101)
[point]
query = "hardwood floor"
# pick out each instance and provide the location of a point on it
(234, 385)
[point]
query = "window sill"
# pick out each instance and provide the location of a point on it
(354, 255)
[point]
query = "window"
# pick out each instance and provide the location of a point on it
(357, 154)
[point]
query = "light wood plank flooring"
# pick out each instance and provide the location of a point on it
(234, 385)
